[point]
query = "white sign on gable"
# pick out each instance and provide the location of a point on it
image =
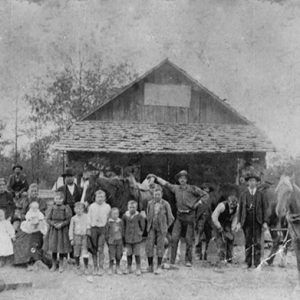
(167, 95)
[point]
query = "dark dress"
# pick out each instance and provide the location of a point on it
(7, 204)
(57, 240)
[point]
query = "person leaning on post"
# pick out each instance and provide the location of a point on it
(188, 198)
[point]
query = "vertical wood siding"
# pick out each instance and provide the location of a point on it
(129, 106)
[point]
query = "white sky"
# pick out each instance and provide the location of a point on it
(245, 51)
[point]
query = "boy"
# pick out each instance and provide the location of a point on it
(77, 235)
(114, 231)
(159, 219)
(96, 221)
(134, 225)
(252, 217)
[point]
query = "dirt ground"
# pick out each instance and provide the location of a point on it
(202, 281)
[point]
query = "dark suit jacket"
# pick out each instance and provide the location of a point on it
(19, 185)
(260, 207)
(71, 199)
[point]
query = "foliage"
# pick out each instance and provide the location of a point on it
(73, 93)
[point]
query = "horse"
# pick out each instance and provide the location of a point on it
(277, 226)
(288, 196)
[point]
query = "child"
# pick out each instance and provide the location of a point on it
(159, 219)
(34, 220)
(114, 231)
(77, 236)
(134, 225)
(97, 218)
(21, 203)
(7, 235)
(57, 238)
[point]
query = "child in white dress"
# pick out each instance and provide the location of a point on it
(7, 235)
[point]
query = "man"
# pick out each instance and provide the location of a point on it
(187, 197)
(17, 182)
(224, 218)
(6, 200)
(203, 222)
(71, 191)
(252, 217)
(159, 219)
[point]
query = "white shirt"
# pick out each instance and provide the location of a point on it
(98, 215)
(71, 188)
(252, 191)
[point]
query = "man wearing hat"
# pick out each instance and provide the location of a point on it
(188, 198)
(6, 200)
(252, 217)
(71, 191)
(17, 182)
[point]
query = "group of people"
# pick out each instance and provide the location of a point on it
(72, 228)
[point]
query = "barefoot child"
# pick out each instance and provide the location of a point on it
(134, 225)
(114, 231)
(57, 238)
(97, 217)
(77, 236)
(7, 235)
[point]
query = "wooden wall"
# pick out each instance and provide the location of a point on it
(129, 106)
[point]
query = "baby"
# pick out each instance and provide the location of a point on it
(34, 220)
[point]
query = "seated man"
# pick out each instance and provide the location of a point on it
(224, 219)
(17, 183)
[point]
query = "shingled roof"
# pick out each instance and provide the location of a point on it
(98, 136)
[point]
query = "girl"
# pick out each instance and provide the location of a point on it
(7, 235)
(57, 238)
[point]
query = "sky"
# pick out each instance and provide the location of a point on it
(247, 52)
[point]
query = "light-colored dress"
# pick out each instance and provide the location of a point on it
(35, 221)
(7, 232)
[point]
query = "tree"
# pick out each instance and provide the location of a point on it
(73, 93)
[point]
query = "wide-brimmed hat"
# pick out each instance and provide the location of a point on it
(151, 176)
(68, 172)
(181, 173)
(17, 166)
(254, 175)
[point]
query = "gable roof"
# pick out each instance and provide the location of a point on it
(189, 77)
(98, 136)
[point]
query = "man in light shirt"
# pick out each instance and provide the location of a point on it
(97, 217)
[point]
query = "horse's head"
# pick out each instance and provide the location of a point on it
(283, 191)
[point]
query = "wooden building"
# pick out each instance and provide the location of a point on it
(161, 123)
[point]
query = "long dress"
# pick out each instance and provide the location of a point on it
(57, 240)
(7, 232)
